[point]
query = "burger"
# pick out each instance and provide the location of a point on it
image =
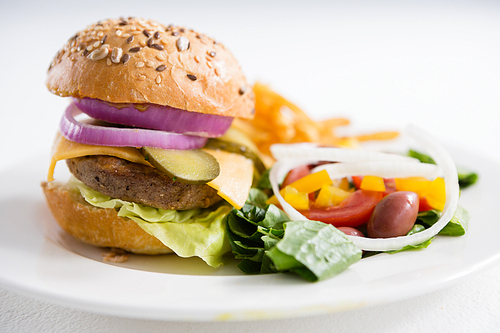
(147, 137)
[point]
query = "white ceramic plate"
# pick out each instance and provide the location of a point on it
(38, 259)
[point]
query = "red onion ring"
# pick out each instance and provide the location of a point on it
(76, 131)
(157, 117)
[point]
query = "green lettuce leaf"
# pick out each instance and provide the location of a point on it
(315, 250)
(266, 241)
(457, 226)
(195, 232)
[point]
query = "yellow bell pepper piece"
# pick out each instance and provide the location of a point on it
(308, 184)
(273, 200)
(312, 182)
(372, 183)
(343, 184)
(419, 185)
(298, 200)
(436, 196)
(330, 196)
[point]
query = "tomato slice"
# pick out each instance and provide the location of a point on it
(354, 211)
(356, 180)
(424, 205)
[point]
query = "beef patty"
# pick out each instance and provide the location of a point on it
(121, 179)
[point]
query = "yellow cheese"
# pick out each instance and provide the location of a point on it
(64, 149)
(235, 177)
(233, 183)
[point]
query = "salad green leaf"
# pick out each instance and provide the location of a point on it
(266, 241)
(264, 183)
(457, 226)
(413, 247)
(314, 250)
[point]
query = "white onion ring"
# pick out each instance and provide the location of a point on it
(444, 163)
(76, 131)
(158, 117)
(443, 160)
(384, 169)
(310, 151)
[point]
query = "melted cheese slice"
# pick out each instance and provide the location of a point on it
(235, 177)
(233, 183)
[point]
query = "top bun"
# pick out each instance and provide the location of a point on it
(142, 61)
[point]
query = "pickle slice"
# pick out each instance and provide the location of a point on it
(236, 148)
(187, 166)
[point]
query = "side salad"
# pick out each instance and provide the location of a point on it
(318, 209)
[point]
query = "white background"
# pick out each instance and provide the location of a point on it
(435, 64)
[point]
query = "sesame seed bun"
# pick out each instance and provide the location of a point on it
(142, 61)
(97, 226)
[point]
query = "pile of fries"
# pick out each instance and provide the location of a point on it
(277, 120)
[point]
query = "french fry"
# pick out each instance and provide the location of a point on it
(278, 120)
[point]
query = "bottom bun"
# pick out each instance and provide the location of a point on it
(98, 226)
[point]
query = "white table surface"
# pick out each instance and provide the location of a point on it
(435, 64)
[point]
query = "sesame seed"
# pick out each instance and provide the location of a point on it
(217, 72)
(182, 43)
(212, 53)
(89, 48)
(146, 33)
(139, 64)
(126, 35)
(135, 49)
(142, 43)
(161, 68)
(98, 54)
(96, 44)
(130, 39)
(157, 35)
(136, 32)
(116, 54)
(119, 32)
(100, 34)
(160, 57)
(150, 64)
(192, 77)
(73, 50)
(108, 62)
(209, 64)
(141, 77)
(158, 47)
(158, 79)
(197, 59)
(125, 58)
